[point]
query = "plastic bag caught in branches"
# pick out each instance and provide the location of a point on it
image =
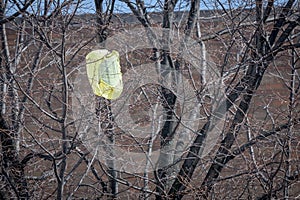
(104, 73)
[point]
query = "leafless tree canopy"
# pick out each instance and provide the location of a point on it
(210, 106)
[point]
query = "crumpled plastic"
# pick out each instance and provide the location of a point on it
(104, 73)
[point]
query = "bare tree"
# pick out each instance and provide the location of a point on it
(264, 37)
(36, 60)
(221, 124)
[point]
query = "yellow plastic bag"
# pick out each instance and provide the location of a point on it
(104, 73)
